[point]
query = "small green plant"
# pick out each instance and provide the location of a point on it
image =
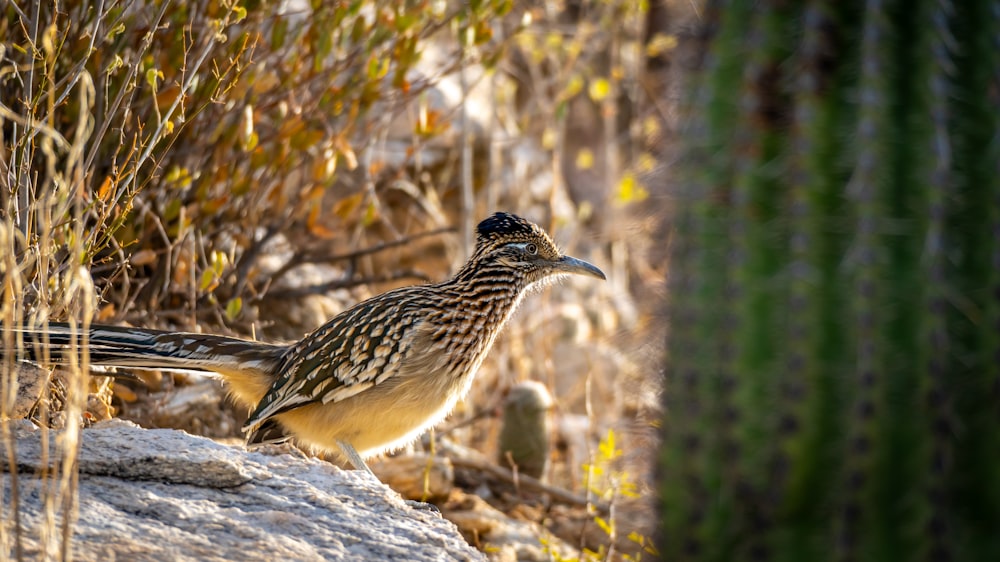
(606, 482)
(603, 478)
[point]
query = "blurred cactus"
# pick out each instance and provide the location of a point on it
(834, 359)
(524, 437)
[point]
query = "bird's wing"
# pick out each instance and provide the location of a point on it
(268, 432)
(359, 348)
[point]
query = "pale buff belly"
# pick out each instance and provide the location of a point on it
(380, 419)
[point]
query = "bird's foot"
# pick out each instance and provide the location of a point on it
(422, 506)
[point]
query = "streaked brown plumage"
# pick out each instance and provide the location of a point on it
(375, 376)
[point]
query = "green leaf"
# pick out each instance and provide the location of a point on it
(114, 31)
(233, 308)
(251, 142)
(279, 31)
(358, 30)
(207, 280)
(405, 21)
(371, 213)
(152, 77)
(116, 63)
(172, 210)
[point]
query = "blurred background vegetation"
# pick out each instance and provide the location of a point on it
(833, 368)
(254, 167)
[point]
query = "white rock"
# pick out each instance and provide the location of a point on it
(167, 495)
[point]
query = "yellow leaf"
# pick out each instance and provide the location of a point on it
(548, 138)
(371, 213)
(348, 206)
(585, 159)
(251, 143)
(306, 139)
(630, 190)
(660, 43)
(645, 163)
(110, 36)
(233, 308)
(116, 62)
(553, 41)
(208, 280)
(608, 528)
(152, 76)
(49, 39)
(574, 86)
(326, 166)
(599, 89)
(651, 127)
(607, 446)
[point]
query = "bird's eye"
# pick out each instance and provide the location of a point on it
(531, 249)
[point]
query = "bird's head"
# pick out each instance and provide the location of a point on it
(510, 242)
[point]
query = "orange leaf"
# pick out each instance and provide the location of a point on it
(168, 95)
(106, 312)
(104, 192)
(316, 227)
(347, 207)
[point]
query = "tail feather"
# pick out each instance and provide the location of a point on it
(153, 349)
(248, 367)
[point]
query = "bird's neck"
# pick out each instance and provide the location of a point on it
(491, 284)
(480, 298)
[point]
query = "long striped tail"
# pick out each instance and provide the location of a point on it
(153, 349)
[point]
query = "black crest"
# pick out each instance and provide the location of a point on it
(502, 225)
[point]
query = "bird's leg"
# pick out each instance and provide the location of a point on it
(359, 464)
(352, 455)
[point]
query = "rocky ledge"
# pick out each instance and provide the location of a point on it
(159, 494)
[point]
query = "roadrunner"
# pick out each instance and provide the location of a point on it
(374, 377)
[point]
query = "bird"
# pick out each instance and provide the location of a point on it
(376, 376)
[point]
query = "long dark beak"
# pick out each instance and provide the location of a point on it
(567, 264)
